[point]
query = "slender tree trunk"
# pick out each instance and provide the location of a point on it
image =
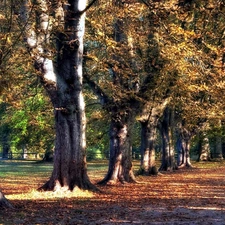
(24, 154)
(5, 141)
(168, 157)
(183, 145)
(5, 149)
(217, 149)
(218, 153)
(120, 161)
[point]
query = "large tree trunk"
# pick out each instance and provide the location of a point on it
(63, 82)
(168, 157)
(120, 161)
(69, 156)
(149, 122)
(4, 203)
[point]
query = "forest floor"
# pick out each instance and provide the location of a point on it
(187, 196)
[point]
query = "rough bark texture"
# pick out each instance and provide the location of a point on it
(149, 122)
(168, 158)
(203, 147)
(120, 162)
(183, 147)
(148, 137)
(62, 80)
(218, 153)
(4, 203)
(69, 157)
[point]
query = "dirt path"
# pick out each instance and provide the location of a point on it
(192, 196)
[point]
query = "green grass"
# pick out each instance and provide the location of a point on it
(12, 169)
(23, 168)
(26, 168)
(21, 178)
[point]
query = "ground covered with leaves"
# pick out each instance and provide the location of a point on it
(187, 196)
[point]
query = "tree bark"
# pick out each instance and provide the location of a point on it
(183, 147)
(203, 147)
(168, 157)
(120, 161)
(69, 156)
(218, 153)
(149, 122)
(148, 138)
(62, 80)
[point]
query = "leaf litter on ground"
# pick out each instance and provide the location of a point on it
(186, 196)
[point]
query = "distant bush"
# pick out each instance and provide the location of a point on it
(94, 153)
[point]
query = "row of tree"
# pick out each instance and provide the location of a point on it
(156, 62)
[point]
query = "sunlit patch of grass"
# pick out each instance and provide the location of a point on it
(208, 164)
(51, 195)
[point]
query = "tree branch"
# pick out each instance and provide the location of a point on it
(97, 90)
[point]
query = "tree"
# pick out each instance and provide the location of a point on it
(203, 144)
(117, 92)
(122, 118)
(149, 124)
(183, 146)
(4, 132)
(56, 45)
(168, 151)
(128, 75)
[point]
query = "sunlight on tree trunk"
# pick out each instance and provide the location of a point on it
(62, 80)
(120, 162)
(149, 121)
(148, 138)
(203, 147)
